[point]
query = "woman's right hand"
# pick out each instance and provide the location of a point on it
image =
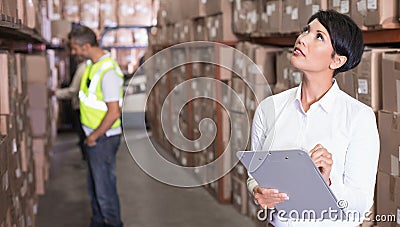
(268, 198)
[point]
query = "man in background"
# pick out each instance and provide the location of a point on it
(71, 92)
(100, 96)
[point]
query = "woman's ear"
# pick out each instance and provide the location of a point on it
(337, 61)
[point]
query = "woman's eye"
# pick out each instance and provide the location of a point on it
(305, 29)
(320, 37)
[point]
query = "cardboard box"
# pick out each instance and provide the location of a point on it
(219, 28)
(110, 38)
(170, 12)
(238, 97)
(125, 37)
(388, 199)
(239, 171)
(60, 29)
(389, 133)
(290, 16)
(214, 7)
(39, 156)
(199, 30)
(5, 145)
(39, 121)
(108, 13)
(135, 12)
(20, 64)
(255, 93)
(89, 13)
(342, 6)
(382, 13)
(71, 10)
(287, 76)
(9, 8)
(239, 63)
(368, 74)
(347, 83)
(194, 9)
(308, 8)
(4, 85)
(21, 10)
(245, 16)
(391, 81)
(225, 60)
(270, 17)
(38, 96)
(183, 31)
(240, 133)
(358, 10)
(37, 69)
(5, 125)
(265, 59)
(239, 195)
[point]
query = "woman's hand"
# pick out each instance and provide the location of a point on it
(268, 198)
(323, 160)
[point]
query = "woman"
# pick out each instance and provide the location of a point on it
(339, 132)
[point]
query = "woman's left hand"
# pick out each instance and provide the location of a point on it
(323, 160)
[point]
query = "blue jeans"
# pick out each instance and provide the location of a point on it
(102, 182)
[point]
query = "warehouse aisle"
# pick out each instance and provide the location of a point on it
(145, 202)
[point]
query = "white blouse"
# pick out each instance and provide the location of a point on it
(343, 125)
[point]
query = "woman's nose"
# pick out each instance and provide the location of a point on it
(302, 39)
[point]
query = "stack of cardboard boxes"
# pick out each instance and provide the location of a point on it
(32, 14)
(201, 20)
(388, 185)
(371, 82)
(25, 135)
(98, 14)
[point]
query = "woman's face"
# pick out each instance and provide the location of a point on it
(313, 49)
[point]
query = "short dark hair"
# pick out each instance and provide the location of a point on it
(346, 37)
(83, 35)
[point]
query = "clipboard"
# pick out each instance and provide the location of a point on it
(294, 173)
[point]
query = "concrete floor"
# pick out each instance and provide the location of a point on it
(145, 202)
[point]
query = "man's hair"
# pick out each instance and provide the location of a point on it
(346, 37)
(83, 35)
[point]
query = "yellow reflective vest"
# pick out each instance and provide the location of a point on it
(92, 105)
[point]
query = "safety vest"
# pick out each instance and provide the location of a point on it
(91, 99)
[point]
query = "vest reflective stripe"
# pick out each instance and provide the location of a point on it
(96, 77)
(93, 108)
(92, 101)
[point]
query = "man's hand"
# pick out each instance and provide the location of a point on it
(323, 160)
(51, 92)
(268, 198)
(91, 140)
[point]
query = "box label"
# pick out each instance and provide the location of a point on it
(362, 86)
(336, 3)
(296, 77)
(372, 4)
(362, 7)
(288, 10)
(394, 164)
(315, 9)
(308, 2)
(345, 7)
(295, 14)
(238, 5)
